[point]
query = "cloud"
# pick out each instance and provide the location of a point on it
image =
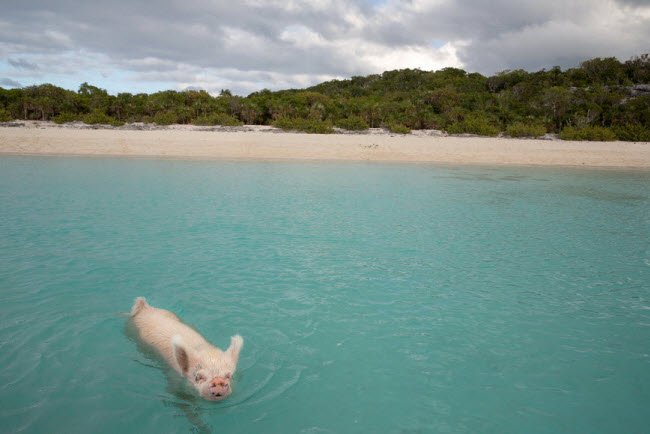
(600, 29)
(635, 3)
(254, 44)
(9, 82)
(22, 64)
(505, 34)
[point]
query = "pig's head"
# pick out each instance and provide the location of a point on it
(210, 370)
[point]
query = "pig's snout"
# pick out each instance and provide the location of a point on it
(219, 387)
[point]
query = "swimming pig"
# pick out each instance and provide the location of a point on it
(206, 367)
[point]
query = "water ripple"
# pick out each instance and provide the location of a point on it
(379, 298)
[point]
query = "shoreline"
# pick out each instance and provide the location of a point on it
(38, 138)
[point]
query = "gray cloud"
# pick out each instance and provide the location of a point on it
(9, 82)
(635, 3)
(254, 44)
(506, 34)
(22, 64)
(203, 33)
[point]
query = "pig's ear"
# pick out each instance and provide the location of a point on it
(236, 343)
(182, 354)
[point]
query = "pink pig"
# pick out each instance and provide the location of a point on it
(206, 367)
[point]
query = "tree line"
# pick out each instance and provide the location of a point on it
(601, 99)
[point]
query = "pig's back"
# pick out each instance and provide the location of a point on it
(157, 326)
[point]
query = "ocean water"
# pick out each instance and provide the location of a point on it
(397, 298)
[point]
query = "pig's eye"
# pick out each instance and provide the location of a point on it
(199, 378)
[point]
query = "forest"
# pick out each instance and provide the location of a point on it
(600, 99)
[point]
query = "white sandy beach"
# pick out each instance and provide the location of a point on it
(257, 142)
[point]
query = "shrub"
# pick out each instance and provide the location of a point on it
(229, 121)
(203, 121)
(597, 134)
(165, 118)
(520, 129)
(97, 116)
(433, 121)
(312, 126)
(5, 116)
(353, 123)
(66, 117)
(455, 128)
(474, 125)
(218, 119)
(394, 127)
(632, 133)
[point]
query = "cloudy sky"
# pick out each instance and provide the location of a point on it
(248, 45)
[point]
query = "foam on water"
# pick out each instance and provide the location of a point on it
(385, 298)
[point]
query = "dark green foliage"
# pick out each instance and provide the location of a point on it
(601, 92)
(606, 71)
(632, 133)
(520, 129)
(218, 119)
(99, 117)
(637, 69)
(353, 123)
(394, 127)
(165, 118)
(595, 134)
(311, 126)
(474, 124)
(5, 116)
(66, 117)
(557, 103)
(204, 120)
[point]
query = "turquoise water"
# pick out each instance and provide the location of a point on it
(371, 297)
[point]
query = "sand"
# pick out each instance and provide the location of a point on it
(256, 142)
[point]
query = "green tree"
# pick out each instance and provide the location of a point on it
(557, 102)
(92, 97)
(605, 71)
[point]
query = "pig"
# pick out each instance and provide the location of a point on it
(205, 366)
